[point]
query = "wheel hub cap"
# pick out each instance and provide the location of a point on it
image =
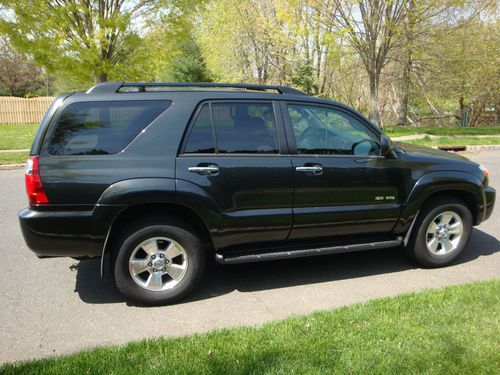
(158, 264)
(444, 233)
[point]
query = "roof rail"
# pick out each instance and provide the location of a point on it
(112, 87)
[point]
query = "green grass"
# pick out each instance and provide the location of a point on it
(445, 331)
(13, 157)
(16, 137)
(399, 131)
(454, 141)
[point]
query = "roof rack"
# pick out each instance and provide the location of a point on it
(113, 87)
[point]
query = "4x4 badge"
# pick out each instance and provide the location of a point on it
(386, 197)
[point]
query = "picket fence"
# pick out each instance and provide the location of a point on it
(23, 111)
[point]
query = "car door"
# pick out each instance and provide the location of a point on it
(343, 186)
(232, 151)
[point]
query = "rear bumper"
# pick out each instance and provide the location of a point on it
(489, 202)
(66, 233)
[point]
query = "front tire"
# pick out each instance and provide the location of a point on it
(443, 230)
(158, 261)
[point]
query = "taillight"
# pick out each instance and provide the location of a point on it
(34, 186)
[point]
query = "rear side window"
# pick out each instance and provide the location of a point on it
(243, 128)
(201, 138)
(102, 128)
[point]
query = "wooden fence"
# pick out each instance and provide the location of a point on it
(23, 111)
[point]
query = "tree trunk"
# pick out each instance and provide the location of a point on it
(404, 89)
(374, 112)
(102, 77)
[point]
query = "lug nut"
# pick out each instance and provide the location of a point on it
(154, 270)
(162, 256)
(167, 261)
(153, 256)
(150, 264)
(164, 269)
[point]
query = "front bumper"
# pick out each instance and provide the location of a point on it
(489, 195)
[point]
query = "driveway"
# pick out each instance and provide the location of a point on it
(56, 306)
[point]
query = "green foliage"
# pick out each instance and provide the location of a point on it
(454, 330)
(86, 40)
(169, 50)
(189, 65)
(303, 78)
(420, 62)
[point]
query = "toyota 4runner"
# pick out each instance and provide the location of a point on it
(155, 178)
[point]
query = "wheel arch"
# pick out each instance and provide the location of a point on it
(148, 209)
(461, 185)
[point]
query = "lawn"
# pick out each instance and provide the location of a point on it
(16, 137)
(444, 331)
(394, 131)
(13, 157)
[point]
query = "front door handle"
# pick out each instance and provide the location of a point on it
(211, 169)
(318, 169)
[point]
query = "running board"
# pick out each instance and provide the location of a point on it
(299, 253)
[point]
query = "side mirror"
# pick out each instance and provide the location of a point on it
(385, 145)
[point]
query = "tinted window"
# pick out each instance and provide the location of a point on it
(201, 137)
(99, 128)
(321, 130)
(245, 128)
(239, 128)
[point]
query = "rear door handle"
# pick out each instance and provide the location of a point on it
(211, 169)
(310, 168)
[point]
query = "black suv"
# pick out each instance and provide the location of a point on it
(155, 178)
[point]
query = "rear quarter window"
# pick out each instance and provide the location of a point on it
(102, 128)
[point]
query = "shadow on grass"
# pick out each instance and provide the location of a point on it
(220, 280)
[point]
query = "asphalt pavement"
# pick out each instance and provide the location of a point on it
(57, 306)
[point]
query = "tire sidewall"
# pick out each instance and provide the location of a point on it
(194, 252)
(420, 251)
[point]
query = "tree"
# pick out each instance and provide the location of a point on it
(19, 75)
(168, 51)
(371, 26)
(86, 39)
(188, 64)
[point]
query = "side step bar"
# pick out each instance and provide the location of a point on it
(299, 253)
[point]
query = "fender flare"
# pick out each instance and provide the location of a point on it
(435, 182)
(126, 194)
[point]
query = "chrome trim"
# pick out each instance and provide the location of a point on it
(207, 169)
(312, 168)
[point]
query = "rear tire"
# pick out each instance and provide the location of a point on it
(442, 231)
(158, 261)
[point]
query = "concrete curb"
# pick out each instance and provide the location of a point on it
(18, 150)
(10, 167)
(483, 148)
(412, 137)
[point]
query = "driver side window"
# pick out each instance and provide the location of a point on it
(326, 131)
